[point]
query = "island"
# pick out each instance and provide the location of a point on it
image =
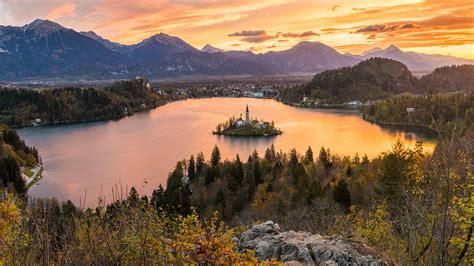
(247, 128)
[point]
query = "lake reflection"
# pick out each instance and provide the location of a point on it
(146, 146)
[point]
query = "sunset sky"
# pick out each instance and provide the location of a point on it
(441, 27)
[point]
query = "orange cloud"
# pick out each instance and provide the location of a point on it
(66, 10)
(436, 26)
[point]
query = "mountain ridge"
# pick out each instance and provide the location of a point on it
(44, 49)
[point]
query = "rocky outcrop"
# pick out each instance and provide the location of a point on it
(270, 243)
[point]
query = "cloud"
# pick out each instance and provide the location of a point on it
(253, 36)
(408, 26)
(235, 44)
(372, 37)
(335, 7)
(257, 39)
(299, 35)
(373, 28)
(67, 10)
(271, 46)
(248, 33)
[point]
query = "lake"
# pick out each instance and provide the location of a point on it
(142, 149)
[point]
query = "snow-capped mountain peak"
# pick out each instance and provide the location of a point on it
(43, 27)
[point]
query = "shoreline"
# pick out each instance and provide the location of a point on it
(431, 132)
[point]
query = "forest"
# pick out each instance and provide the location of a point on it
(441, 112)
(19, 107)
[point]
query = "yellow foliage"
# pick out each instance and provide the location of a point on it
(379, 231)
(12, 237)
(196, 244)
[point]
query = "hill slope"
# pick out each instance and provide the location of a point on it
(452, 78)
(369, 80)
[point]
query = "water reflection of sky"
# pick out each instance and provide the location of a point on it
(146, 146)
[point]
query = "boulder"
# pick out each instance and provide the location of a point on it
(269, 242)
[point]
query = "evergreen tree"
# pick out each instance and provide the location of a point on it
(257, 172)
(216, 156)
(397, 171)
(270, 153)
(158, 198)
(200, 163)
(133, 197)
(191, 169)
(342, 195)
(236, 175)
(178, 194)
(309, 154)
(293, 158)
(349, 171)
(219, 201)
(324, 158)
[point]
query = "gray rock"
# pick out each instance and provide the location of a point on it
(302, 247)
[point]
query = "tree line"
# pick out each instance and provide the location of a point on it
(445, 112)
(19, 107)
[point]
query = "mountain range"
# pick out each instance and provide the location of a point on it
(46, 50)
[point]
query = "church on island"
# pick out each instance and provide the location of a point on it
(247, 127)
(247, 123)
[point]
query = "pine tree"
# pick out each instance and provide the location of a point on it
(216, 156)
(349, 171)
(236, 175)
(342, 195)
(200, 163)
(158, 198)
(324, 158)
(309, 154)
(219, 200)
(191, 169)
(133, 197)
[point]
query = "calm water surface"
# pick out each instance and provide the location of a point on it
(141, 150)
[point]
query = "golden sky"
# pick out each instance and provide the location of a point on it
(435, 27)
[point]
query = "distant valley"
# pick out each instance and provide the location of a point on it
(44, 50)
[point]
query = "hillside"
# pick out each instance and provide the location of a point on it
(22, 107)
(452, 78)
(369, 80)
(14, 156)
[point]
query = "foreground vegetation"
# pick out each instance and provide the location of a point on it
(415, 208)
(19, 107)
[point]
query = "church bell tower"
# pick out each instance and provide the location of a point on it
(247, 116)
